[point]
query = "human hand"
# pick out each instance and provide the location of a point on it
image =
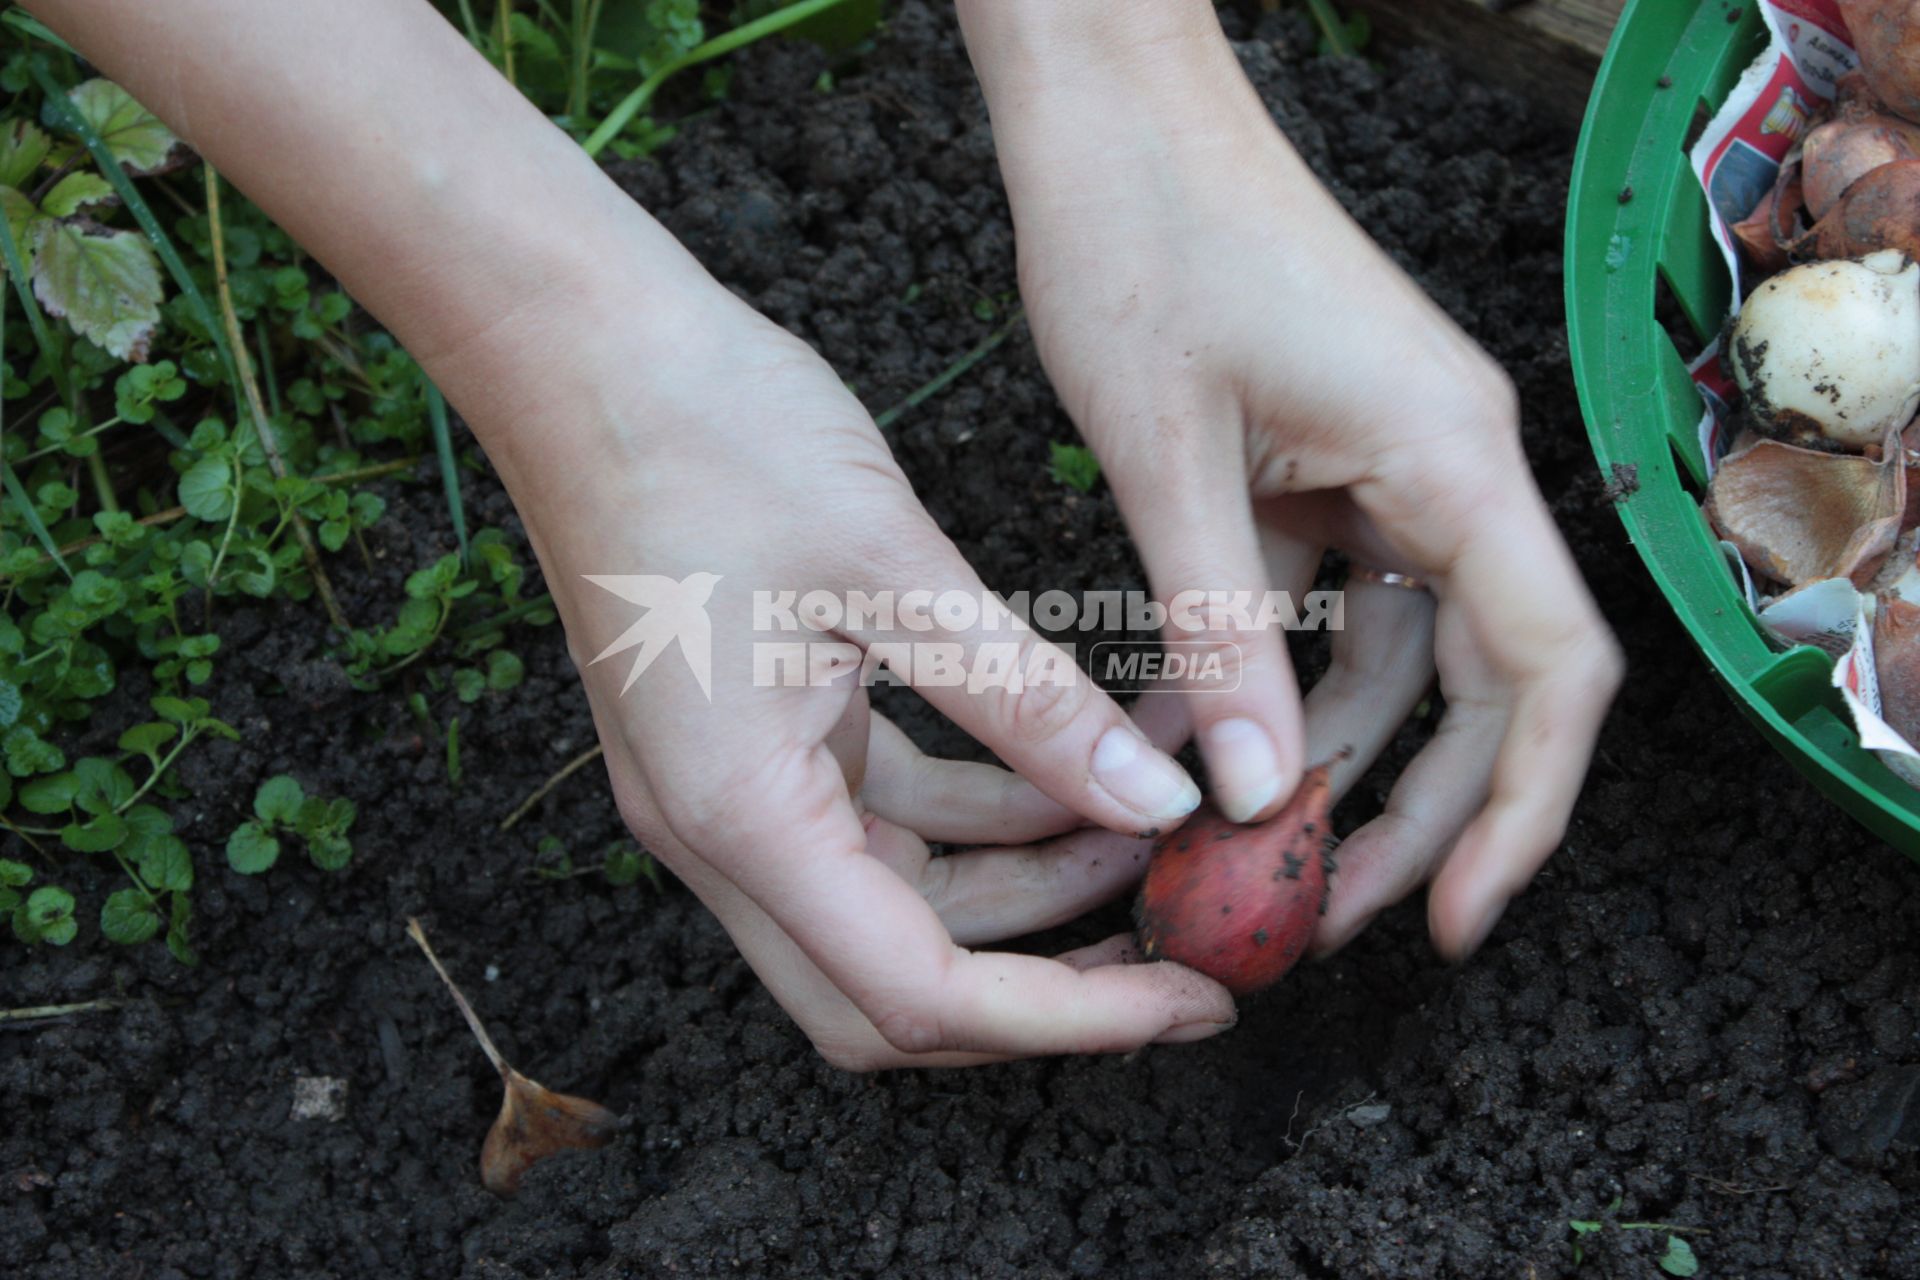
(800, 819)
(648, 423)
(1217, 327)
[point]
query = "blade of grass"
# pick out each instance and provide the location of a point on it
(534, 605)
(467, 20)
(52, 350)
(9, 481)
(545, 789)
(586, 25)
(266, 365)
(503, 13)
(97, 466)
(741, 36)
(948, 376)
(48, 1012)
(1331, 27)
(65, 116)
(20, 20)
(449, 473)
(263, 426)
(32, 517)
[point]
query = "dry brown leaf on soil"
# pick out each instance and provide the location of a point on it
(534, 1121)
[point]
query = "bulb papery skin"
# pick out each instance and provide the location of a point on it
(1827, 354)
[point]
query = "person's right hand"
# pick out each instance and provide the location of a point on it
(1262, 384)
(797, 817)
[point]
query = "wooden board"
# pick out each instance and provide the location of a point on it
(1546, 49)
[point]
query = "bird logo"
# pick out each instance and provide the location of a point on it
(674, 611)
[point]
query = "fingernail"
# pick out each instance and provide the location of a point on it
(1140, 777)
(1480, 935)
(1324, 948)
(1188, 1032)
(1244, 766)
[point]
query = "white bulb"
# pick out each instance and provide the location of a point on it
(1830, 351)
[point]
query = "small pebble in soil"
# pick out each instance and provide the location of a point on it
(319, 1098)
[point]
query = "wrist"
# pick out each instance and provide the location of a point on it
(1022, 48)
(593, 358)
(1077, 86)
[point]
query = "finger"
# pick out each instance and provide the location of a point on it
(839, 1032)
(1431, 802)
(1541, 768)
(1194, 526)
(1382, 666)
(1292, 560)
(986, 895)
(954, 800)
(1479, 525)
(791, 841)
(1025, 699)
(1121, 948)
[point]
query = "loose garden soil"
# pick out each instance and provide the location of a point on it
(1705, 1011)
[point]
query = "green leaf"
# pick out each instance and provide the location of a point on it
(15, 874)
(469, 684)
(46, 916)
(74, 192)
(104, 281)
(504, 670)
(339, 815)
(251, 850)
(623, 866)
(1678, 1260)
(21, 215)
(180, 710)
(206, 490)
(132, 134)
(146, 826)
(166, 864)
(10, 703)
(329, 852)
(129, 917)
(147, 739)
(278, 800)
(53, 794)
(98, 835)
(1074, 466)
(28, 753)
(1584, 1226)
(103, 786)
(23, 148)
(177, 930)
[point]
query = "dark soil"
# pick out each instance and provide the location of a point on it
(1704, 1013)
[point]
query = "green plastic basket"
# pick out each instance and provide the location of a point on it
(1671, 60)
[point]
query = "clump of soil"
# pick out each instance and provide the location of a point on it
(1705, 1009)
